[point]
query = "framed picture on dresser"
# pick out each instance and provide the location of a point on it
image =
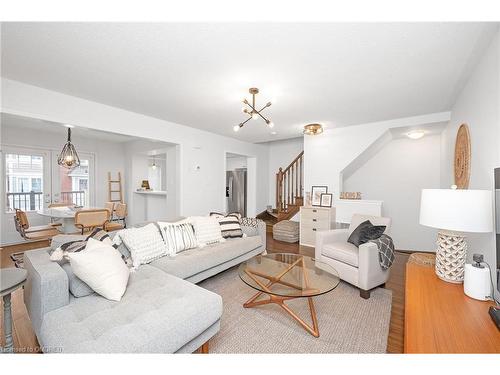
(326, 200)
(316, 192)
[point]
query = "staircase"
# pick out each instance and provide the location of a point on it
(289, 192)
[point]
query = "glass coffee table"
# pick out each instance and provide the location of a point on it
(284, 277)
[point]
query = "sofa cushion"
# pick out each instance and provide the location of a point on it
(193, 261)
(158, 313)
(344, 252)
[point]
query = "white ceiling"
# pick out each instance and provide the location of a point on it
(196, 74)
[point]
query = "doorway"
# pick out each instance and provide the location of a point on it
(236, 193)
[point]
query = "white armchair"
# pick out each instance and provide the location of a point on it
(358, 266)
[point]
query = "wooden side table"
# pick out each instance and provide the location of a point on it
(10, 280)
(440, 318)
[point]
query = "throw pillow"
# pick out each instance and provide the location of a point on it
(365, 232)
(178, 237)
(230, 226)
(60, 254)
(76, 286)
(207, 230)
(145, 244)
(101, 267)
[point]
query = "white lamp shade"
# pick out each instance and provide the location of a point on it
(457, 210)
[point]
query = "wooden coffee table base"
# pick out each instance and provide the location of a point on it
(280, 300)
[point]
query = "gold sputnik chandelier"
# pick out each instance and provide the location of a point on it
(251, 110)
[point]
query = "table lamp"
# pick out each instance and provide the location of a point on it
(454, 211)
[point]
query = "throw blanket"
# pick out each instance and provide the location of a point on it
(385, 250)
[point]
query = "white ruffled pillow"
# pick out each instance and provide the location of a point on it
(101, 267)
(207, 230)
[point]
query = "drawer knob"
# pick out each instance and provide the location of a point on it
(314, 220)
(314, 229)
(315, 210)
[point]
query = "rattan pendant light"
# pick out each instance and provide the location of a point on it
(68, 158)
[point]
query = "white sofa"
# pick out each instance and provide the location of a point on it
(357, 266)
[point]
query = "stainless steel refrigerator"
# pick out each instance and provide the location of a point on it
(236, 191)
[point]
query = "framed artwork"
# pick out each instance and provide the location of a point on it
(326, 200)
(316, 192)
(462, 157)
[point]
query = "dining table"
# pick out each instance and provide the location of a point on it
(64, 215)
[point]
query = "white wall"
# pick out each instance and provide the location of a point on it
(478, 105)
(281, 154)
(396, 175)
(233, 163)
(202, 155)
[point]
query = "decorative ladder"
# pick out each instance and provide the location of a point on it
(115, 193)
(289, 188)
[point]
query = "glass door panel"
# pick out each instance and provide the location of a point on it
(74, 186)
(26, 187)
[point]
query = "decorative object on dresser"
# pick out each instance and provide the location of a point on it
(313, 220)
(361, 266)
(440, 319)
(350, 195)
(454, 211)
(326, 200)
(316, 192)
(462, 157)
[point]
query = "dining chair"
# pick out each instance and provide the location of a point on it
(110, 206)
(88, 220)
(39, 232)
(119, 216)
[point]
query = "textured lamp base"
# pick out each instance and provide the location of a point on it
(450, 257)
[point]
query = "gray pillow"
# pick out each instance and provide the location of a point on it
(76, 286)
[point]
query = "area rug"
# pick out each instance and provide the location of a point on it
(347, 322)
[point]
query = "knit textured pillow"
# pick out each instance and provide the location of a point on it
(145, 244)
(207, 230)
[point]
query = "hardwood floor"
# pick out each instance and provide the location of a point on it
(25, 340)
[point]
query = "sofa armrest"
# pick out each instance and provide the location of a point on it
(46, 287)
(371, 274)
(329, 236)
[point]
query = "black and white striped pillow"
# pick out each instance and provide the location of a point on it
(178, 237)
(230, 226)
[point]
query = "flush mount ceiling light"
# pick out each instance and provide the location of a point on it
(313, 129)
(68, 158)
(415, 134)
(252, 112)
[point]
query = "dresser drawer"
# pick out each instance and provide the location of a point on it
(309, 224)
(313, 213)
(308, 237)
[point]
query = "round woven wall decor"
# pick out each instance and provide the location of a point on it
(462, 157)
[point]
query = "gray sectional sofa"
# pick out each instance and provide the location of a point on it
(162, 311)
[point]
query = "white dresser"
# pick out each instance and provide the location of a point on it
(312, 220)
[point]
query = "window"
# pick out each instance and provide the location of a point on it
(24, 182)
